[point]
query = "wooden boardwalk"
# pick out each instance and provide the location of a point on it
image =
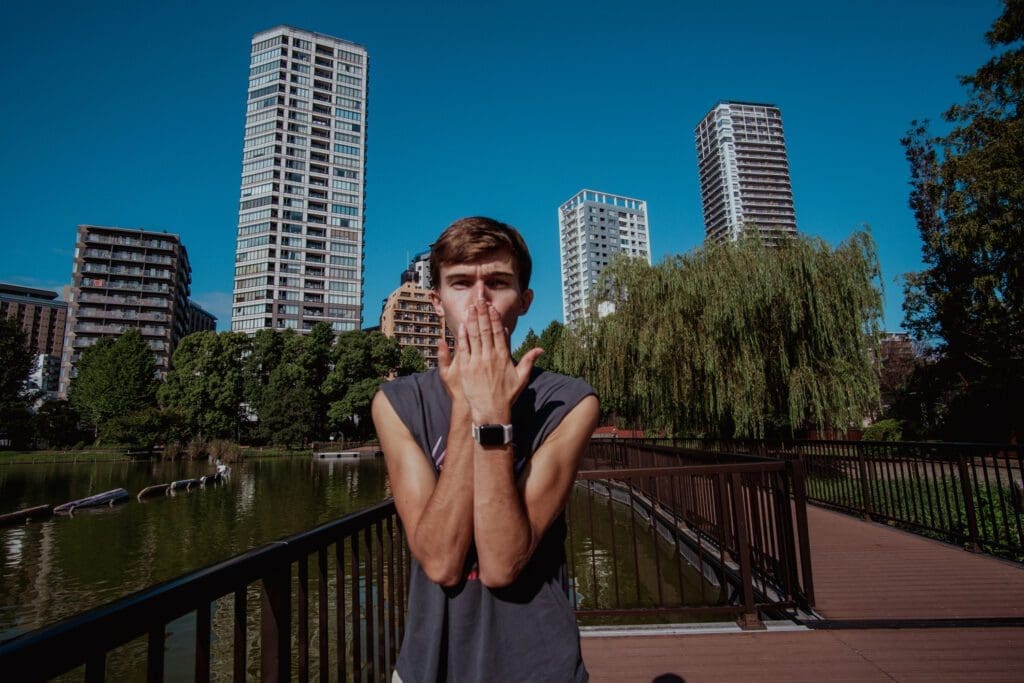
(906, 609)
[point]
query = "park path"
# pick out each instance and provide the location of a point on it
(895, 598)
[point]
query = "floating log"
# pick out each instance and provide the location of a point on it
(111, 497)
(27, 515)
(154, 490)
(184, 484)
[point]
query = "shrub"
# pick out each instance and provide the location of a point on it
(884, 430)
(197, 448)
(225, 451)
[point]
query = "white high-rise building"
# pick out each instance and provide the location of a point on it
(299, 257)
(592, 228)
(744, 172)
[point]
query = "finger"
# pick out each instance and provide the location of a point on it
(482, 310)
(499, 335)
(525, 365)
(462, 342)
(472, 326)
(444, 354)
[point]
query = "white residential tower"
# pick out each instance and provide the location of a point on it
(744, 172)
(299, 256)
(592, 228)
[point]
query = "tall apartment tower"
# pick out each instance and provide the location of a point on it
(123, 278)
(592, 228)
(299, 256)
(744, 172)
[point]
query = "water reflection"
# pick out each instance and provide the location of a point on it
(63, 566)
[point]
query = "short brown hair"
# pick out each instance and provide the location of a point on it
(474, 238)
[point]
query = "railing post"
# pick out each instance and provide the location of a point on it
(798, 474)
(275, 627)
(865, 488)
(749, 620)
(972, 515)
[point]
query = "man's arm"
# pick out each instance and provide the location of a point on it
(436, 510)
(509, 517)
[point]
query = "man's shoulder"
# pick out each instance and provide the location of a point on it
(548, 382)
(415, 385)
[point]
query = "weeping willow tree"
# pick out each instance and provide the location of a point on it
(731, 339)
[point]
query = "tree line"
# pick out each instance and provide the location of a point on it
(278, 388)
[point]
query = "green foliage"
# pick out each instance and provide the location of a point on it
(116, 376)
(208, 382)
(144, 428)
(968, 200)
(362, 362)
(15, 362)
(56, 424)
(732, 338)
(551, 341)
(884, 430)
(411, 362)
(287, 411)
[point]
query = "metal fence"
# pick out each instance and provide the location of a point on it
(344, 622)
(970, 494)
(738, 523)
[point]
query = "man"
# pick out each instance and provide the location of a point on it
(481, 455)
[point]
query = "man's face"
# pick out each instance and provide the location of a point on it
(493, 279)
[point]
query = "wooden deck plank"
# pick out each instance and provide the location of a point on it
(979, 654)
(864, 570)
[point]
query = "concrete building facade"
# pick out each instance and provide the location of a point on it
(409, 317)
(123, 278)
(43, 318)
(744, 172)
(592, 228)
(299, 254)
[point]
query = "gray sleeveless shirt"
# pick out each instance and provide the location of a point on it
(469, 633)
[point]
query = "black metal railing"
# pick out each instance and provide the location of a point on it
(970, 494)
(350, 631)
(721, 535)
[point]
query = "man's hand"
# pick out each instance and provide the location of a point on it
(490, 381)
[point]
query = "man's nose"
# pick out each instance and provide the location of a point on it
(481, 291)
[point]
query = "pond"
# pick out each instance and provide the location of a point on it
(53, 569)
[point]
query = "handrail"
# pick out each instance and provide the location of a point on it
(88, 637)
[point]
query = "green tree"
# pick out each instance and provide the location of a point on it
(286, 414)
(146, 428)
(116, 376)
(968, 199)
(362, 362)
(56, 424)
(733, 339)
(264, 356)
(411, 361)
(15, 366)
(208, 383)
(15, 361)
(530, 341)
(314, 357)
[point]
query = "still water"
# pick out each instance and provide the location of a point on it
(54, 569)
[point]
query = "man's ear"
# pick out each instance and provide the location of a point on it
(435, 299)
(525, 299)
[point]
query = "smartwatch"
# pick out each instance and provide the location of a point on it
(492, 434)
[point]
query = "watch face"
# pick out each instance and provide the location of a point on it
(491, 435)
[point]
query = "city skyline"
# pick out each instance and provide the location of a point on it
(489, 120)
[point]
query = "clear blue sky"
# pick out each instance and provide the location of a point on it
(131, 114)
